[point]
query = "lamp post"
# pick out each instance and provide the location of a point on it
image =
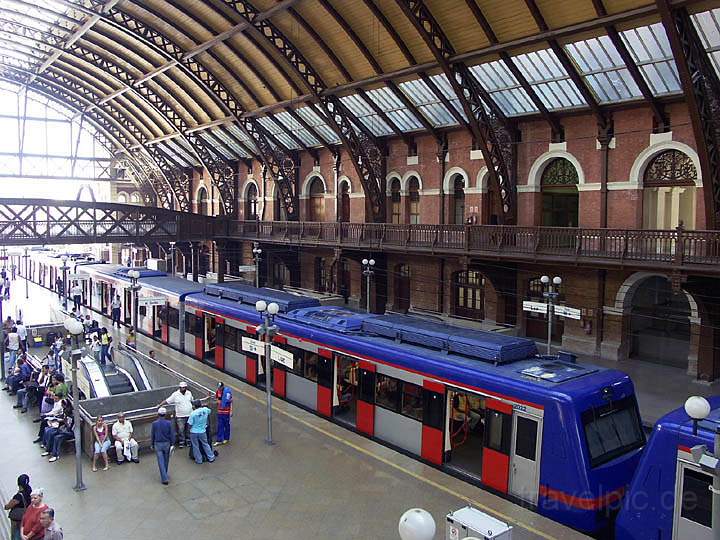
(2, 341)
(257, 252)
(134, 275)
(172, 258)
(75, 328)
(64, 269)
(27, 274)
(368, 272)
(551, 294)
(416, 524)
(698, 408)
(268, 330)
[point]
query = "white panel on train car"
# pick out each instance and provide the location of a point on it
(692, 516)
(401, 374)
(525, 456)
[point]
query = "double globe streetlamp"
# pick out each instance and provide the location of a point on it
(257, 253)
(75, 329)
(551, 294)
(135, 287)
(268, 330)
(368, 265)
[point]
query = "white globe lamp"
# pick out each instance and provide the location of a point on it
(273, 308)
(416, 524)
(261, 305)
(697, 407)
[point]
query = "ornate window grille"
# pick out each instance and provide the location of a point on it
(559, 172)
(670, 168)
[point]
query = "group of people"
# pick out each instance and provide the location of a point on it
(191, 426)
(30, 518)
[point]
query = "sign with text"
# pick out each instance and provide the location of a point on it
(152, 301)
(277, 354)
(535, 307)
(77, 277)
(569, 312)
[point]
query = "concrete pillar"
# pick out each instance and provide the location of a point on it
(194, 260)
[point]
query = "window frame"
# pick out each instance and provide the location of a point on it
(598, 412)
(399, 407)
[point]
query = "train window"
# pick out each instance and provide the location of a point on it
(325, 372)
(193, 325)
(366, 390)
(143, 311)
(612, 430)
(498, 427)
(310, 366)
(433, 409)
(173, 318)
(697, 497)
(412, 405)
(231, 338)
(387, 393)
(526, 438)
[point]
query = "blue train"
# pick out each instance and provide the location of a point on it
(561, 437)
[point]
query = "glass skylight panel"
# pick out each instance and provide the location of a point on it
(548, 77)
(212, 141)
(278, 132)
(502, 86)
(396, 111)
(230, 142)
(296, 128)
(311, 116)
(365, 114)
(237, 132)
(177, 153)
(651, 51)
(707, 25)
(443, 85)
(427, 103)
(600, 64)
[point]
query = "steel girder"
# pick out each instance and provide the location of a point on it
(488, 124)
(46, 221)
(113, 135)
(276, 159)
(702, 90)
(367, 157)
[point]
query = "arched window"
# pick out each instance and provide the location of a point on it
(458, 212)
(317, 200)
(402, 287)
(251, 202)
(135, 198)
(559, 194)
(414, 200)
(203, 206)
(121, 198)
(395, 200)
(469, 294)
(669, 191)
(344, 206)
(278, 208)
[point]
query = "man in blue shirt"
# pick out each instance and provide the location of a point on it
(198, 423)
(23, 371)
(162, 440)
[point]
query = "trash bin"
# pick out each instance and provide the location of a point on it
(471, 522)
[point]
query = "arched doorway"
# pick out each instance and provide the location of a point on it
(469, 294)
(414, 200)
(251, 202)
(458, 201)
(121, 198)
(316, 210)
(203, 202)
(344, 204)
(660, 323)
(402, 288)
(669, 191)
(395, 200)
(559, 194)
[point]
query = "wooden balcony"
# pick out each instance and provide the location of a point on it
(668, 250)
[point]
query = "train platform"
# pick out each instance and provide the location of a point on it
(317, 481)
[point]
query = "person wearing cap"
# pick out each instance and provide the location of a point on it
(125, 445)
(182, 399)
(198, 423)
(224, 398)
(162, 439)
(30, 526)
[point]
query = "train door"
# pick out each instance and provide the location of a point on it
(347, 390)
(466, 428)
(524, 456)
(157, 321)
(209, 335)
(693, 503)
(127, 305)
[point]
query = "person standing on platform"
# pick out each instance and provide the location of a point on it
(224, 398)
(104, 345)
(22, 333)
(6, 288)
(52, 530)
(13, 271)
(8, 324)
(30, 527)
(76, 293)
(13, 346)
(162, 439)
(59, 287)
(198, 422)
(182, 399)
(115, 311)
(18, 505)
(131, 340)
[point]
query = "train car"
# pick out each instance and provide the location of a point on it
(559, 436)
(669, 497)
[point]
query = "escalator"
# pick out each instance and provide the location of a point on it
(118, 380)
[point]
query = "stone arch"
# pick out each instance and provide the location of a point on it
(623, 298)
(538, 167)
(135, 197)
(389, 180)
(482, 178)
(246, 186)
(305, 191)
(448, 180)
(637, 171)
(406, 178)
(198, 192)
(121, 197)
(345, 180)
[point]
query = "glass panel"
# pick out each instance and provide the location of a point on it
(526, 438)
(387, 393)
(548, 77)
(697, 497)
(650, 49)
(427, 102)
(296, 127)
(412, 401)
(708, 26)
(612, 430)
(363, 112)
(389, 103)
(311, 117)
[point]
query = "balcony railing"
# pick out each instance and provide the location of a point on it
(603, 246)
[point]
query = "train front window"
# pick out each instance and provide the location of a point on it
(612, 430)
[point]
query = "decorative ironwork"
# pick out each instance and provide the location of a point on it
(488, 124)
(559, 172)
(670, 168)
